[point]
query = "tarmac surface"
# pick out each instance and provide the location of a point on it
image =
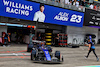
(73, 57)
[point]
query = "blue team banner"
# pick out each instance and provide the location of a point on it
(40, 12)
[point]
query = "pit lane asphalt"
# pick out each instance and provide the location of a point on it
(73, 57)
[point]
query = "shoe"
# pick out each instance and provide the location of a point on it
(97, 59)
(86, 57)
(4, 46)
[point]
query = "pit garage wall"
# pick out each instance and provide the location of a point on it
(79, 33)
(99, 35)
(3, 29)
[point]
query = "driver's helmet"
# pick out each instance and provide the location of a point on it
(42, 44)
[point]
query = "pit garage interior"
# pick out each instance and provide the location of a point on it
(19, 26)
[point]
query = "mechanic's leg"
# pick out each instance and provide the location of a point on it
(95, 54)
(6, 42)
(88, 53)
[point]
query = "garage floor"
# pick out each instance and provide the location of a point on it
(73, 57)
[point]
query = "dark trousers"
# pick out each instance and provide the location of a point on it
(56, 42)
(6, 42)
(93, 52)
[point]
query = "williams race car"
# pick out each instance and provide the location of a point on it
(44, 54)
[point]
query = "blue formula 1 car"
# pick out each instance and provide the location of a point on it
(44, 54)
